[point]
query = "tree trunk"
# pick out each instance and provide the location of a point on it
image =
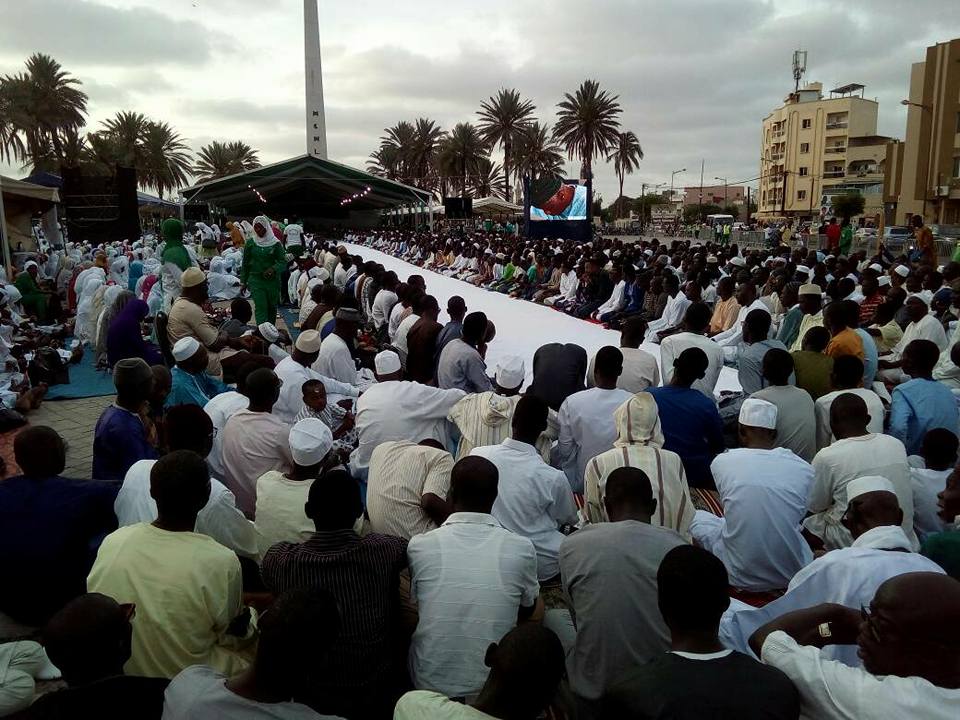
(507, 149)
(620, 198)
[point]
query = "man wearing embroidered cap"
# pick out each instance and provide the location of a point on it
(810, 298)
(187, 319)
(191, 384)
(281, 497)
(764, 490)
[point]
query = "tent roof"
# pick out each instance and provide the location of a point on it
(494, 206)
(304, 185)
(19, 190)
(147, 199)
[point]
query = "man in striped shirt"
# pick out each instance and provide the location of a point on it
(358, 676)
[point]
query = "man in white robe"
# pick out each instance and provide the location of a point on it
(849, 576)
(764, 494)
(677, 304)
(295, 370)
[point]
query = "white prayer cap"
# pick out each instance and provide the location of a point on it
(29, 264)
(387, 362)
(711, 258)
(310, 441)
(883, 280)
(648, 252)
(902, 270)
(308, 341)
(810, 289)
(758, 413)
(269, 331)
(185, 347)
(803, 269)
(868, 484)
(323, 275)
(738, 261)
(876, 267)
(510, 372)
(829, 257)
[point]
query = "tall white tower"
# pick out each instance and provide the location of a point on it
(316, 121)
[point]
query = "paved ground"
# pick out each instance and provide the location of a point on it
(75, 421)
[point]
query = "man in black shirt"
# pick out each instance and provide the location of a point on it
(558, 372)
(699, 678)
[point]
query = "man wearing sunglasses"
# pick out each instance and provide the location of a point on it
(908, 640)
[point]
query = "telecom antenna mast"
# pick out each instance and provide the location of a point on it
(799, 67)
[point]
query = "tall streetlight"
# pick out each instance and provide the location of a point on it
(724, 189)
(672, 176)
(643, 207)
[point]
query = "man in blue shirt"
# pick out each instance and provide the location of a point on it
(921, 404)
(191, 384)
(50, 528)
(122, 434)
(691, 425)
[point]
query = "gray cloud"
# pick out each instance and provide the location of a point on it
(81, 32)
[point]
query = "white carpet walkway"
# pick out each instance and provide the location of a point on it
(522, 326)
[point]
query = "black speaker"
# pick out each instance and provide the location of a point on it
(458, 207)
(101, 208)
(128, 204)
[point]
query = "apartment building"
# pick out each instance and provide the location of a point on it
(814, 148)
(929, 184)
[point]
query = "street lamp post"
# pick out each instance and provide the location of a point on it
(724, 189)
(672, 176)
(643, 207)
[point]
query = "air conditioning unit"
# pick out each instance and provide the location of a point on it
(943, 190)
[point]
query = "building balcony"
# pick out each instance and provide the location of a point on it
(837, 125)
(776, 158)
(834, 173)
(835, 150)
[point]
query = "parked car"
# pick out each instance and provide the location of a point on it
(866, 232)
(945, 232)
(897, 232)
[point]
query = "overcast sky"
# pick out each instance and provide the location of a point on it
(695, 77)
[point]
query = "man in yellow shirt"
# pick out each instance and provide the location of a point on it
(843, 340)
(187, 588)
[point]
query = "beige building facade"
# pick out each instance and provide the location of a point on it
(814, 148)
(930, 180)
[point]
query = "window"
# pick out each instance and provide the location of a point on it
(801, 194)
(316, 138)
(316, 113)
(806, 124)
(804, 147)
(956, 166)
(958, 122)
(315, 126)
(803, 171)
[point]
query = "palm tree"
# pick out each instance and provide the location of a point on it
(42, 104)
(587, 123)
(166, 159)
(488, 180)
(502, 120)
(396, 145)
(383, 162)
(461, 152)
(126, 130)
(536, 154)
(422, 154)
(626, 157)
(219, 159)
(11, 144)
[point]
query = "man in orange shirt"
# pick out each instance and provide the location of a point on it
(843, 340)
(726, 309)
(924, 242)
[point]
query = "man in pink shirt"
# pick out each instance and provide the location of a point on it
(255, 440)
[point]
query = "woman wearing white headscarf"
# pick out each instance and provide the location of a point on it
(264, 260)
(640, 444)
(221, 285)
(119, 269)
(115, 298)
(88, 284)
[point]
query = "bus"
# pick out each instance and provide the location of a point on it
(714, 220)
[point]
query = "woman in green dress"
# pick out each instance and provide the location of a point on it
(264, 260)
(36, 301)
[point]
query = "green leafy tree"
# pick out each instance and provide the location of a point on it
(461, 152)
(166, 159)
(536, 154)
(488, 180)
(732, 210)
(849, 205)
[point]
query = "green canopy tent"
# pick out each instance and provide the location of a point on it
(306, 187)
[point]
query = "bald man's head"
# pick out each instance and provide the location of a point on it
(913, 629)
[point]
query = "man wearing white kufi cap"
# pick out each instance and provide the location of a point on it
(484, 418)
(281, 496)
(295, 371)
(764, 494)
(191, 384)
(394, 409)
(849, 576)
